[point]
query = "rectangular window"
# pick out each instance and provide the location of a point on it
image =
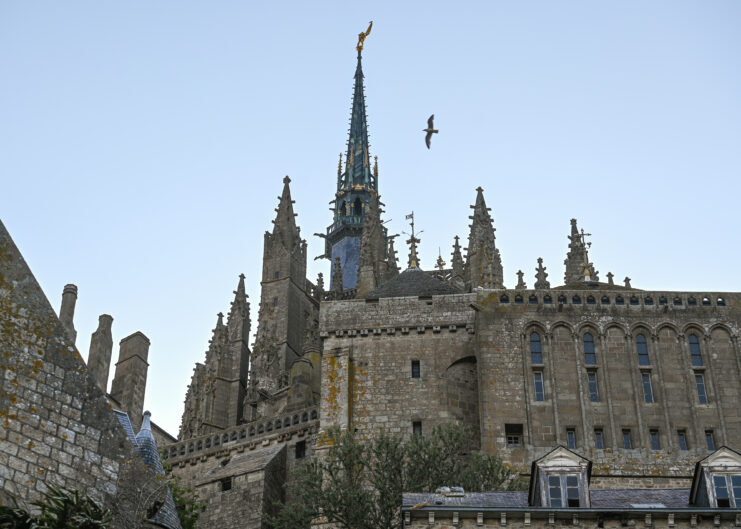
(599, 439)
(514, 434)
(275, 302)
(682, 436)
(417, 428)
(648, 392)
(655, 444)
(226, 484)
(710, 439)
(277, 275)
(563, 491)
(538, 383)
(300, 449)
(554, 490)
(627, 441)
(571, 438)
(702, 397)
(415, 368)
(593, 387)
(721, 491)
(572, 491)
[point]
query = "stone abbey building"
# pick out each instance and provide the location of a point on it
(641, 383)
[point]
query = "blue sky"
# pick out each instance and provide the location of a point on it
(143, 144)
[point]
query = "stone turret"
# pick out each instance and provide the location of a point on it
(101, 349)
(578, 267)
(483, 263)
(130, 381)
(67, 310)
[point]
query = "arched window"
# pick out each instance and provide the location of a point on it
(313, 414)
(260, 429)
(504, 298)
(576, 300)
(357, 208)
(691, 301)
(562, 299)
(721, 302)
(695, 353)
(642, 348)
(605, 300)
(304, 417)
(278, 424)
(199, 446)
(518, 298)
(590, 300)
(252, 431)
(634, 300)
(547, 299)
(590, 358)
(533, 299)
(648, 300)
(619, 300)
(536, 349)
(287, 422)
(295, 419)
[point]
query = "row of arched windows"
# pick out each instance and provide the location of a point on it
(590, 355)
(605, 300)
(253, 430)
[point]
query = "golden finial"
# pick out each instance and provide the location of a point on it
(361, 37)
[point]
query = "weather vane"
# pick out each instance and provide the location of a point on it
(361, 37)
(412, 242)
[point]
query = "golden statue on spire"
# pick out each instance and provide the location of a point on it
(361, 37)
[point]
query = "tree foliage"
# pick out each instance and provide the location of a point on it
(187, 502)
(60, 509)
(358, 485)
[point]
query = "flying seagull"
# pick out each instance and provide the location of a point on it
(429, 130)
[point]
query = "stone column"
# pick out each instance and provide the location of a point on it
(67, 310)
(130, 381)
(101, 348)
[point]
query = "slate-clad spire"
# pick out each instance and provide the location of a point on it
(483, 262)
(358, 154)
(578, 267)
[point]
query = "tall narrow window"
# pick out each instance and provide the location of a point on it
(648, 392)
(599, 439)
(710, 439)
(554, 490)
(721, 491)
(300, 449)
(682, 438)
(563, 491)
(590, 358)
(627, 441)
(695, 353)
(536, 349)
(702, 396)
(642, 347)
(593, 387)
(415, 368)
(538, 383)
(571, 438)
(417, 428)
(655, 444)
(275, 302)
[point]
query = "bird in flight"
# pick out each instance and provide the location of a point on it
(430, 130)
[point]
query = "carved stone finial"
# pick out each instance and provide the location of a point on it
(610, 281)
(627, 282)
(541, 275)
(520, 283)
(440, 264)
(320, 282)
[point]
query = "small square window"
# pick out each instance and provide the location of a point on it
(682, 437)
(655, 442)
(599, 439)
(226, 484)
(417, 428)
(514, 434)
(415, 368)
(300, 449)
(627, 440)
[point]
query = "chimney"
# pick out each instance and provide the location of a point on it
(67, 311)
(101, 348)
(130, 380)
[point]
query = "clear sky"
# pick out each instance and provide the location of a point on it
(143, 144)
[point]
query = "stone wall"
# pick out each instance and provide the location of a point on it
(56, 426)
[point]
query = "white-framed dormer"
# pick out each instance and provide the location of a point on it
(717, 480)
(560, 479)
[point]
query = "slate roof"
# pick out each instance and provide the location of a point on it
(244, 464)
(412, 282)
(167, 515)
(638, 499)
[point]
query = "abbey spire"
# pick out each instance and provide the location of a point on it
(578, 267)
(483, 263)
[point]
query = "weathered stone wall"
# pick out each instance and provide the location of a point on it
(367, 364)
(506, 371)
(56, 426)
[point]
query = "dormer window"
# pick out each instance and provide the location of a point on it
(563, 490)
(727, 490)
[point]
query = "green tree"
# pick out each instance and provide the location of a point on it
(358, 485)
(187, 501)
(60, 509)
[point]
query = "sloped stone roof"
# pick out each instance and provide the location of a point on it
(244, 464)
(412, 282)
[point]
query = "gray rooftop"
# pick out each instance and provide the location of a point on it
(412, 282)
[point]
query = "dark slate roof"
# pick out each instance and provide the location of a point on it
(593, 285)
(244, 464)
(639, 499)
(412, 282)
(167, 515)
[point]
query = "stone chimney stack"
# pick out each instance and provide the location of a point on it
(67, 310)
(130, 380)
(101, 348)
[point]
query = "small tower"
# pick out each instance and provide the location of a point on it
(355, 188)
(483, 262)
(372, 249)
(130, 380)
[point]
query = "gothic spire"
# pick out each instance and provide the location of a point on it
(578, 267)
(457, 261)
(392, 263)
(285, 228)
(483, 262)
(358, 154)
(238, 321)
